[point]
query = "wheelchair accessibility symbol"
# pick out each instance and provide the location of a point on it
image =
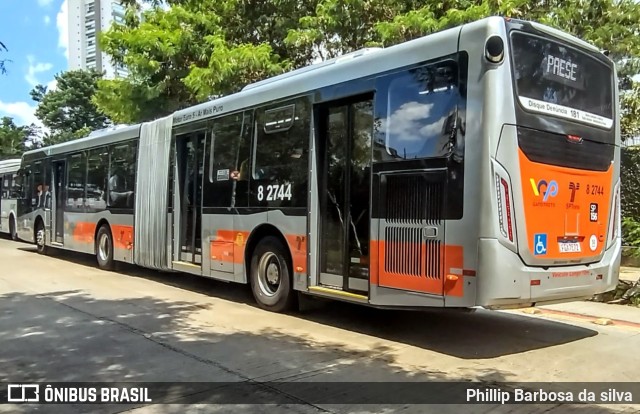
(540, 244)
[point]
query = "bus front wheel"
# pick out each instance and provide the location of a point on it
(270, 276)
(104, 248)
(41, 243)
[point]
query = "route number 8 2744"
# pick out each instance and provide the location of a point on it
(273, 192)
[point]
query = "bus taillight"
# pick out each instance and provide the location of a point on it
(614, 219)
(574, 139)
(504, 207)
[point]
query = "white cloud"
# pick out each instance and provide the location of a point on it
(34, 69)
(52, 85)
(46, 20)
(21, 112)
(62, 23)
(44, 3)
(407, 121)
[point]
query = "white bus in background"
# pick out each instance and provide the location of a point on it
(9, 194)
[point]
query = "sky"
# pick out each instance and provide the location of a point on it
(35, 32)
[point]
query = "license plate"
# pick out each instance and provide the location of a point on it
(569, 247)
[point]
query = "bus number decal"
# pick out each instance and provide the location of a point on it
(595, 189)
(275, 192)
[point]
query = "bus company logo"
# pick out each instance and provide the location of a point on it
(544, 188)
(573, 187)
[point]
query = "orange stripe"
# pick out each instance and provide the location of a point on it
(298, 246)
(84, 232)
(453, 258)
(229, 246)
(122, 236)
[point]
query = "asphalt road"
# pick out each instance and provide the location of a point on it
(62, 319)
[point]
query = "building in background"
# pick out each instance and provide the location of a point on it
(87, 18)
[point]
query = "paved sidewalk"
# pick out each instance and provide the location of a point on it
(630, 274)
(598, 312)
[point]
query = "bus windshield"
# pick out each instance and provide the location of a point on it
(558, 80)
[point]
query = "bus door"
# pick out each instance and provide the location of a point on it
(345, 130)
(187, 217)
(59, 179)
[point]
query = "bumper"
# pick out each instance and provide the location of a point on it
(505, 281)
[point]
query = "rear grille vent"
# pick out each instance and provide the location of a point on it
(407, 254)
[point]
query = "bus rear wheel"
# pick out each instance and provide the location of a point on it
(104, 248)
(12, 228)
(41, 242)
(270, 276)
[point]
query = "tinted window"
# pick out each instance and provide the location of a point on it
(420, 110)
(97, 177)
(558, 80)
(281, 155)
(41, 195)
(15, 187)
(228, 166)
(121, 183)
(76, 181)
(6, 180)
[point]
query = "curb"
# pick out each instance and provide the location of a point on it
(597, 320)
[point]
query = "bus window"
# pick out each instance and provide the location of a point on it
(16, 187)
(6, 185)
(97, 177)
(228, 156)
(122, 174)
(281, 155)
(416, 120)
(76, 182)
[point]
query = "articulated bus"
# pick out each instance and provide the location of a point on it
(476, 166)
(9, 195)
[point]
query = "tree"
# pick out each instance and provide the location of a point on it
(195, 50)
(3, 69)
(13, 138)
(341, 26)
(69, 112)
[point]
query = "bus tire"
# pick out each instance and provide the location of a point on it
(270, 276)
(104, 248)
(12, 228)
(41, 237)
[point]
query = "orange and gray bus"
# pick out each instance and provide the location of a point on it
(476, 166)
(9, 195)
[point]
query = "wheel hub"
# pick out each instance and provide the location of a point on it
(273, 274)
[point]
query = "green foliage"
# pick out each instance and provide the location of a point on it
(193, 51)
(3, 69)
(13, 138)
(630, 197)
(198, 49)
(630, 182)
(631, 235)
(69, 112)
